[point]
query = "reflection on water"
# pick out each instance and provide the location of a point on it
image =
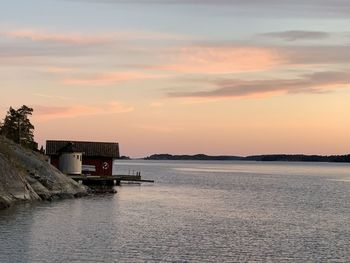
(195, 212)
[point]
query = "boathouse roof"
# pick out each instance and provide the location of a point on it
(93, 149)
(69, 148)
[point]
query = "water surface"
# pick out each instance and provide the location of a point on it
(195, 212)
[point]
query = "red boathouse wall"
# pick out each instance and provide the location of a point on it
(103, 165)
(55, 161)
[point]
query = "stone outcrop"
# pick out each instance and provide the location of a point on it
(27, 176)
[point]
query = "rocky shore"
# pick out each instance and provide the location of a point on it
(27, 176)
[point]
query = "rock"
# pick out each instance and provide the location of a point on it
(4, 203)
(26, 176)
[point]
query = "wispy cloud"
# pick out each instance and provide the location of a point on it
(37, 43)
(149, 35)
(234, 88)
(226, 58)
(280, 8)
(106, 79)
(55, 37)
(221, 60)
(92, 38)
(294, 35)
(58, 70)
(47, 96)
(53, 112)
(337, 54)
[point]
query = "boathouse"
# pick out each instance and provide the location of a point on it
(96, 157)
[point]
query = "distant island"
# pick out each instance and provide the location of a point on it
(263, 158)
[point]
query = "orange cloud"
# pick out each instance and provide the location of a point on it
(59, 70)
(222, 60)
(157, 104)
(49, 112)
(109, 78)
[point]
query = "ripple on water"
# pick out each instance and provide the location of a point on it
(196, 212)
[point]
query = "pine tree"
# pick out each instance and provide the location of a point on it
(18, 128)
(42, 150)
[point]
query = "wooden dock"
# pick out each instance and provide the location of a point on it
(108, 180)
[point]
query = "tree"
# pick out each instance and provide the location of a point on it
(18, 128)
(42, 150)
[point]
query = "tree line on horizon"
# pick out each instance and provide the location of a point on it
(263, 158)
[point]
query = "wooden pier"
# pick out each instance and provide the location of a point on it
(108, 180)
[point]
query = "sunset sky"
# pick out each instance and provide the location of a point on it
(232, 77)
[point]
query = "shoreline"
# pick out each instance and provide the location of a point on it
(258, 158)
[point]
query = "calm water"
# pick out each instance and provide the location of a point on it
(195, 212)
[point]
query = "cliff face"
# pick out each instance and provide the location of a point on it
(27, 176)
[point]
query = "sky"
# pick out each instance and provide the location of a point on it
(223, 77)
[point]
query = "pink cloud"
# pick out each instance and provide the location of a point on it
(54, 112)
(64, 38)
(222, 60)
(77, 38)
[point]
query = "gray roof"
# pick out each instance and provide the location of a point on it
(93, 149)
(69, 148)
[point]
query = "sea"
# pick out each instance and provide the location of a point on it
(196, 211)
